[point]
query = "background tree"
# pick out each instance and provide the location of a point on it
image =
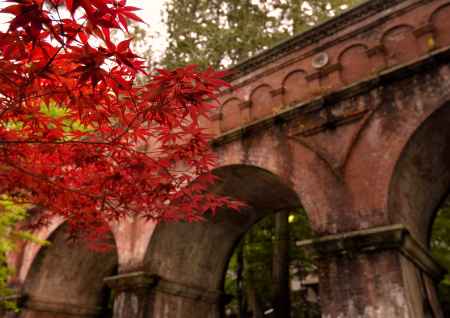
(11, 235)
(222, 33)
(281, 266)
(440, 247)
(256, 250)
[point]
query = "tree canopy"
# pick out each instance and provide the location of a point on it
(440, 247)
(221, 33)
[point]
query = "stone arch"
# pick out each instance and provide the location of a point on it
(355, 63)
(440, 19)
(261, 102)
(421, 178)
(23, 261)
(66, 279)
(295, 87)
(400, 44)
(297, 162)
(191, 259)
(420, 182)
(230, 114)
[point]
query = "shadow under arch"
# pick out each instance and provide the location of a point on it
(66, 279)
(196, 255)
(419, 186)
(421, 178)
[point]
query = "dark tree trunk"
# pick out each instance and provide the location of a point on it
(240, 280)
(280, 267)
(254, 302)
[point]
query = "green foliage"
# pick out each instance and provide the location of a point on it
(57, 112)
(258, 252)
(55, 115)
(11, 213)
(440, 246)
(53, 110)
(220, 33)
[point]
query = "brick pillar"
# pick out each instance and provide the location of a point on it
(174, 299)
(132, 294)
(376, 273)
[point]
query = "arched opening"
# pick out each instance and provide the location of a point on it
(66, 280)
(269, 275)
(191, 259)
(420, 185)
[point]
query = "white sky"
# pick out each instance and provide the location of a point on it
(152, 14)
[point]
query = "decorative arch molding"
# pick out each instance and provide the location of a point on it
(355, 63)
(67, 280)
(230, 114)
(23, 261)
(399, 44)
(440, 19)
(295, 87)
(261, 103)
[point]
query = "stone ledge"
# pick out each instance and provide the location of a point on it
(133, 280)
(191, 292)
(157, 284)
(48, 306)
(395, 237)
(378, 49)
(323, 72)
(277, 92)
(216, 116)
(246, 104)
(28, 302)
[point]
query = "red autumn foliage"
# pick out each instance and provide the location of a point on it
(78, 137)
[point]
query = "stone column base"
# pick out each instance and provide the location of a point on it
(141, 294)
(381, 272)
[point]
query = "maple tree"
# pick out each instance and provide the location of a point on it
(80, 139)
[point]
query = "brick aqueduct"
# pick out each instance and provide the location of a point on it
(350, 120)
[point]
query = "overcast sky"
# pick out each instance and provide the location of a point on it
(150, 8)
(152, 14)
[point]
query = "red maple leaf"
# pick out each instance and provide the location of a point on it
(80, 139)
